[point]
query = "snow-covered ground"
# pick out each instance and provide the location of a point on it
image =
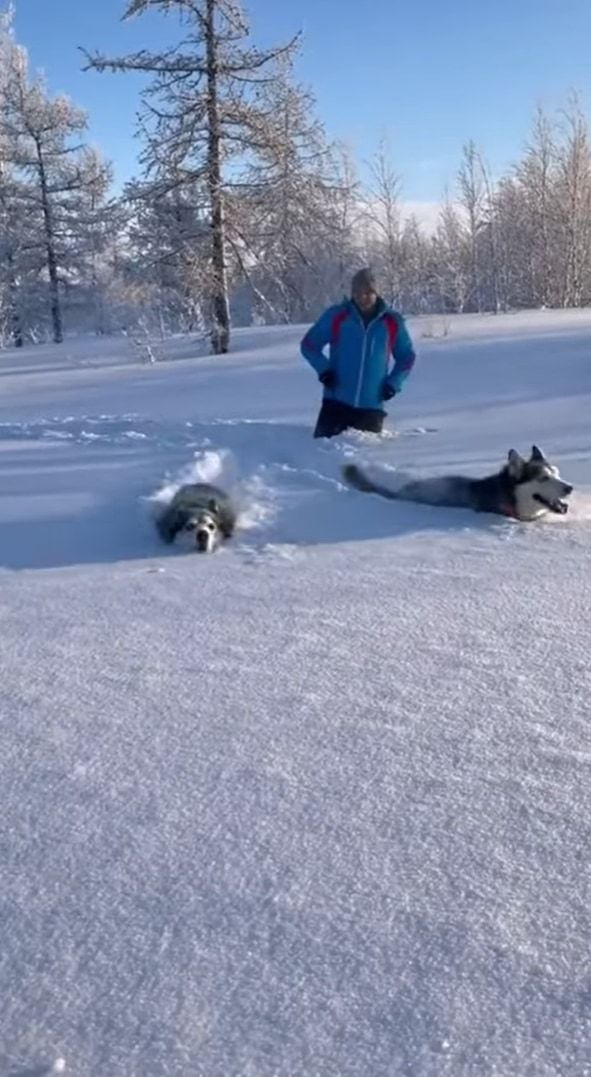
(318, 804)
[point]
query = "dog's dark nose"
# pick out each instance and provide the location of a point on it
(202, 539)
(568, 489)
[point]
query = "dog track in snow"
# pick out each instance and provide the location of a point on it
(277, 470)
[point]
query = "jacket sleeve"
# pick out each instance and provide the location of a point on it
(316, 339)
(403, 355)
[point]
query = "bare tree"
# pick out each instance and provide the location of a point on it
(513, 250)
(383, 210)
(284, 213)
(490, 236)
(415, 268)
(574, 183)
(536, 175)
(345, 211)
(201, 112)
(452, 259)
(472, 198)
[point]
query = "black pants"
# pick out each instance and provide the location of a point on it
(334, 418)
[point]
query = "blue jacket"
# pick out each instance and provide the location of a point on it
(360, 356)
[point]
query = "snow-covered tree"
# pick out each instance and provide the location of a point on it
(11, 219)
(169, 238)
(10, 240)
(61, 176)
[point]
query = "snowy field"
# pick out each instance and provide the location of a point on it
(318, 804)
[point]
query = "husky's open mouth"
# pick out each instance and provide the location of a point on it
(557, 506)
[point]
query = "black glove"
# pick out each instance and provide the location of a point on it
(388, 392)
(328, 378)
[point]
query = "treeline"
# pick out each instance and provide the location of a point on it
(244, 211)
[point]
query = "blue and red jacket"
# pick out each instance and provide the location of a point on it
(360, 356)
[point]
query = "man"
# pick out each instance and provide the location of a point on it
(363, 335)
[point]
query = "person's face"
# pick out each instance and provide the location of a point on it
(365, 298)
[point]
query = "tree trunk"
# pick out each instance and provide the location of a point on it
(544, 232)
(56, 314)
(220, 333)
(17, 329)
(474, 260)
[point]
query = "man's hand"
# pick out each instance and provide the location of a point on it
(328, 379)
(388, 392)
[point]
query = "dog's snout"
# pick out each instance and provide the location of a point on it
(202, 539)
(567, 488)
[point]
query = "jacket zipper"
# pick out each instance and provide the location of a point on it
(362, 367)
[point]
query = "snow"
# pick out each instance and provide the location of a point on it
(318, 803)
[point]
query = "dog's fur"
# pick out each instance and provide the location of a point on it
(201, 509)
(522, 489)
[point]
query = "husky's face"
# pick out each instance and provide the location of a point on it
(538, 486)
(207, 532)
(201, 530)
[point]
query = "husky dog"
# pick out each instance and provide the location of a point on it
(522, 489)
(202, 509)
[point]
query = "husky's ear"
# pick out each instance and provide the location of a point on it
(212, 505)
(537, 454)
(516, 464)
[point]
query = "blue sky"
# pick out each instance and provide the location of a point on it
(427, 74)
